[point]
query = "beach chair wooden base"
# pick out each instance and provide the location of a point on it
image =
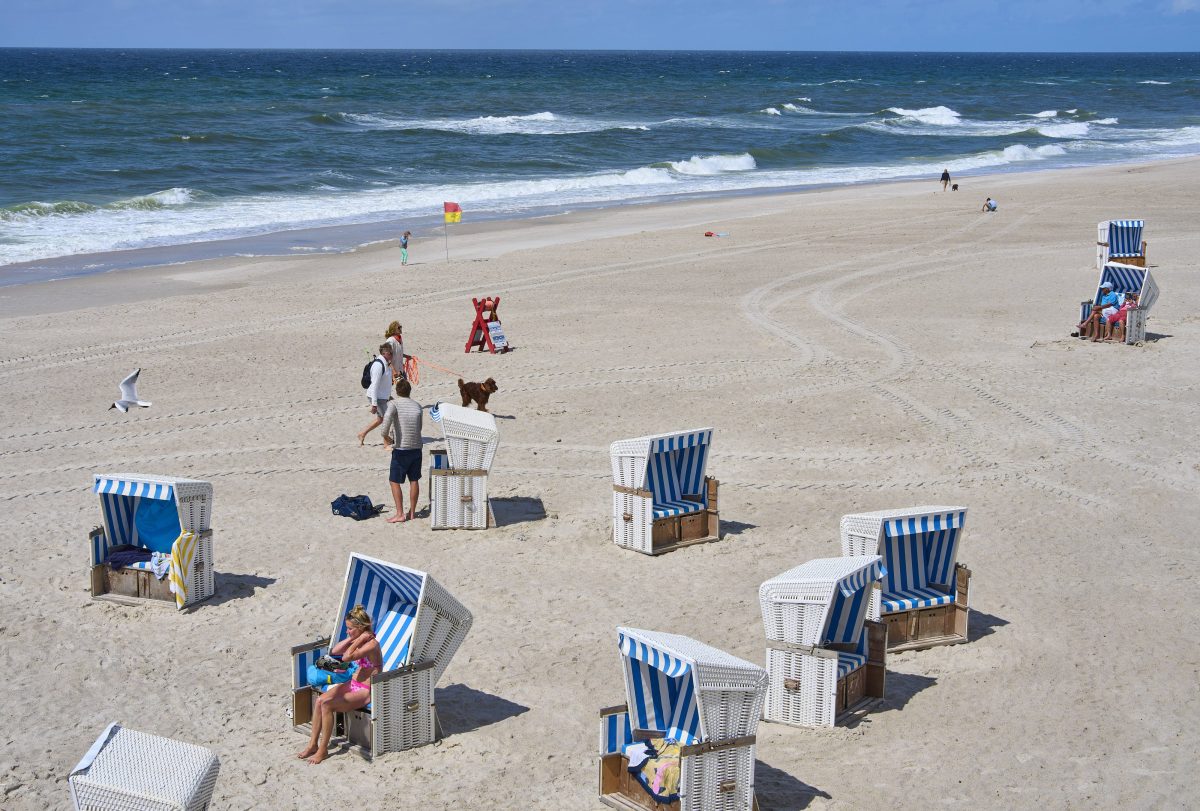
(140, 586)
(678, 531)
(803, 686)
(455, 496)
(619, 789)
(920, 628)
(670, 532)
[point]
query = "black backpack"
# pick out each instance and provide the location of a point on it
(366, 378)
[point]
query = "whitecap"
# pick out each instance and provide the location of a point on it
(715, 164)
(1045, 114)
(772, 111)
(1151, 81)
(1105, 121)
(942, 116)
(1072, 130)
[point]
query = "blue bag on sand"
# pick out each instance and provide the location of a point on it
(356, 507)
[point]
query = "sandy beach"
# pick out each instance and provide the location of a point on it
(853, 349)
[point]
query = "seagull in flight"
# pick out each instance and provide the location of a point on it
(129, 394)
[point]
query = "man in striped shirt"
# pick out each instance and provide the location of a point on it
(402, 423)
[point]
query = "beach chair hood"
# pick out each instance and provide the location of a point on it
(669, 465)
(1129, 279)
(415, 618)
(471, 435)
(683, 688)
(841, 585)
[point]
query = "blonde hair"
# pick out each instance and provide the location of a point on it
(394, 328)
(359, 616)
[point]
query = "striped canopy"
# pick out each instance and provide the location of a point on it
(1129, 279)
(120, 499)
(919, 550)
(391, 594)
(1125, 237)
(675, 464)
(847, 584)
(661, 688)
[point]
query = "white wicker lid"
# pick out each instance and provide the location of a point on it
(147, 478)
(149, 765)
(822, 571)
(640, 446)
(906, 512)
(688, 649)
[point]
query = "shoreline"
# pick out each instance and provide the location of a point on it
(475, 240)
(353, 238)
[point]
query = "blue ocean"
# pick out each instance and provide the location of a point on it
(165, 155)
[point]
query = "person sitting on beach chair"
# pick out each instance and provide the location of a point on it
(1114, 325)
(1107, 304)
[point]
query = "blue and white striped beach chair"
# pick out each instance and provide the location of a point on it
(419, 626)
(164, 514)
(662, 499)
(1120, 240)
(1126, 279)
(458, 478)
(703, 698)
(824, 656)
(924, 592)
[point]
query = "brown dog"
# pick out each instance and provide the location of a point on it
(479, 392)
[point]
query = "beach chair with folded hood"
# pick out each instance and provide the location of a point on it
(419, 626)
(152, 513)
(458, 474)
(1126, 279)
(923, 592)
(826, 659)
(662, 499)
(127, 770)
(1120, 241)
(697, 707)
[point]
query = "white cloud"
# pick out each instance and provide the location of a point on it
(1182, 6)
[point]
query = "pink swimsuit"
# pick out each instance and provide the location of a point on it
(355, 684)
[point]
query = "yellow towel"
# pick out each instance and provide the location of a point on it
(183, 552)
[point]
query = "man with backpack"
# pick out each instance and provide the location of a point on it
(377, 380)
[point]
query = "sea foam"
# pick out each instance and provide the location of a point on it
(941, 116)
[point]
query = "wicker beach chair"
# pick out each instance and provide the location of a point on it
(162, 514)
(419, 626)
(924, 592)
(662, 499)
(1127, 279)
(134, 771)
(825, 658)
(707, 700)
(458, 475)
(1120, 240)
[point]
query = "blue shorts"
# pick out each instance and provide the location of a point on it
(406, 464)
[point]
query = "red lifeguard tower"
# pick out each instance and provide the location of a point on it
(486, 332)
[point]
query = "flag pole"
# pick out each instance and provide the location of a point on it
(446, 231)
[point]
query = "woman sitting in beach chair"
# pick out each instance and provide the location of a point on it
(362, 648)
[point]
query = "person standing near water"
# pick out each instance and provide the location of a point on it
(404, 247)
(945, 178)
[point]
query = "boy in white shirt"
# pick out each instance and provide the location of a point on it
(379, 392)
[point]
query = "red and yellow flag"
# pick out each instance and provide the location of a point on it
(453, 212)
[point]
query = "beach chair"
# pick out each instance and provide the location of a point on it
(161, 514)
(1120, 240)
(661, 498)
(826, 659)
(684, 690)
(419, 626)
(923, 595)
(134, 771)
(1127, 279)
(458, 475)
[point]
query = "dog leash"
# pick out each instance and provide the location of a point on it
(439, 368)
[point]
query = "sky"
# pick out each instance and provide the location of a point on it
(769, 25)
